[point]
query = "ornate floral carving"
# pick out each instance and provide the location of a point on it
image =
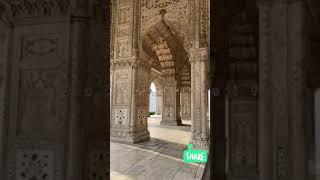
(124, 47)
(34, 159)
(124, 15)
(120, 117)
(123, 62)
(122, 93)
(142, 117)
(123, 31)
(155, 4)
(35, 165)
(197, 55)
(97, 167)
(203, 37)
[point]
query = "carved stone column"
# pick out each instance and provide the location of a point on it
(130, 88)
(297, 53)
(185, 101)
(282, 140)
(170, 108)
(265, 94)
(159, 100)
(199, 98)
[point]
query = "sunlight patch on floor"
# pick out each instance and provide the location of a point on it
(168, 133)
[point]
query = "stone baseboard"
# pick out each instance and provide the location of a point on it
(129, 137)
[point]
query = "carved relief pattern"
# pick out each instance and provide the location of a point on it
(124, 47)
(142, 117)
(123, 31)
(282, 161)
(122, 93)
(35, 160)
(38, 8)
(39, 46)
(186, 104)
(124, 15)
(176, 17)
(156, 4)
(203, 24)
(191, 24)
(46, 114)
(35, 165)
(97, 165)
(243, 144)
(120, 117)
(113, 29)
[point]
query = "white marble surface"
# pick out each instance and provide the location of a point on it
(157, 159)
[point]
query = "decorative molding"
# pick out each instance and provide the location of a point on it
(123, 62)
(39, 46)
(38, 8)
(198, 55)
(156, 4)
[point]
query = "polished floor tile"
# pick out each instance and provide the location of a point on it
(157, 159)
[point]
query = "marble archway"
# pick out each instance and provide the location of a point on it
(156, 37)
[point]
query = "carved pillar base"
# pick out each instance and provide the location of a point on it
(175, 122)
(129, 137)
(199, 143)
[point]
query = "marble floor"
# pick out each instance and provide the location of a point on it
(158, 159)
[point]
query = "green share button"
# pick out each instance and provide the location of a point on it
(194, 155)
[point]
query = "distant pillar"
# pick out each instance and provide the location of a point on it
(159, 100)
(170, 105)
